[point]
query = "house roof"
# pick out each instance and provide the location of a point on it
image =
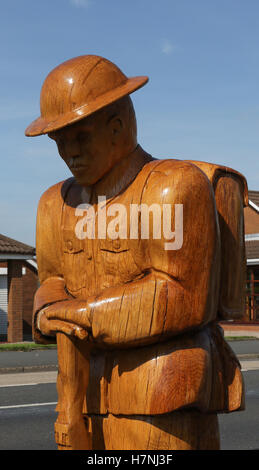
(252, 249)
(254, 197)
(10, 246)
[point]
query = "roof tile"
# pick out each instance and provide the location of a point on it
(252, 249)
(254, 197)
(8, 245)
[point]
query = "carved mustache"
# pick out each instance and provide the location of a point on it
(75, 163)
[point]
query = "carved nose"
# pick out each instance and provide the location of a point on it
(73, 148)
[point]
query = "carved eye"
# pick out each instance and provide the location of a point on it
(83, 137)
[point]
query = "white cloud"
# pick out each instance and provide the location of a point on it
(167, 47)
(81, 3)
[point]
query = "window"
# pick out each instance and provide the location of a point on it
(252, 293)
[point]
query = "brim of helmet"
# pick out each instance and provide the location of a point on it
(42, 126)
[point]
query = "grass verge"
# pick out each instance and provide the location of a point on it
(239, 338)
(25, 346)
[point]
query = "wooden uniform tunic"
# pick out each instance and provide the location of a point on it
(158, 345)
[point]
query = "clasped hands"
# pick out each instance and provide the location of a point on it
(72, 317)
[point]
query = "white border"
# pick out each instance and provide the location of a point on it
(253, 205)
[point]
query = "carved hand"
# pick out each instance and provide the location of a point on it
(70, 317)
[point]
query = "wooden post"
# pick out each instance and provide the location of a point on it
(72, 382)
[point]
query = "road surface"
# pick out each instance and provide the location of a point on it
(27, 412)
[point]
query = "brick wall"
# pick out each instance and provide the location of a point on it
(21, 290)
(15, 301)
(251, 220)
(30, 285)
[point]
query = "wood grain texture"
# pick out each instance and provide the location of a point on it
(52, 290)
(143, 363)
(133, 305)
(73, 375)
(79, 87)
(181, 430)
(231, 197)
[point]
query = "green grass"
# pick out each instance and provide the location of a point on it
(25, 346)
(239, 338)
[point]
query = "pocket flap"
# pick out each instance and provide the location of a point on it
(72, 244)
(114, 246)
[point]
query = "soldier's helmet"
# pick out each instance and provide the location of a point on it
(77, 88)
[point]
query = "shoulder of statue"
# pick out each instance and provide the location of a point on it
(214, 172)
(172, 180)
(169, 166)
(57, 192)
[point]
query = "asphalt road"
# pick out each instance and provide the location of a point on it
(24, 427)
(13, 359)
(240, 430)
(31, 427)
(245, 347)
(16, 359)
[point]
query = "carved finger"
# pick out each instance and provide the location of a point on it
(81, 333)
(49, 327)
(70, 314)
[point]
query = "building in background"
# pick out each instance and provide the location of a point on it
(18, 283)
(252, 256)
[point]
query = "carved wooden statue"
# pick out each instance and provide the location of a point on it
(142, 361)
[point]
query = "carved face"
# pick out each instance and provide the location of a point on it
(91, 146)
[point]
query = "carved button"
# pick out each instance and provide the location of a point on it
(116, 244)
(69, 245)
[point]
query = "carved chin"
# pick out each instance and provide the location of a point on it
(85, 178)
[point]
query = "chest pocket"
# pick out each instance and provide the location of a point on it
(117, 259)
(74, 261)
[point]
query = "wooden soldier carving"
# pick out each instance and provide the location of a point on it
(142, 361)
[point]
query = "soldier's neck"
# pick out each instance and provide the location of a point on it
(121, 174)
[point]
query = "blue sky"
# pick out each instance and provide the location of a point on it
(201, 103)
